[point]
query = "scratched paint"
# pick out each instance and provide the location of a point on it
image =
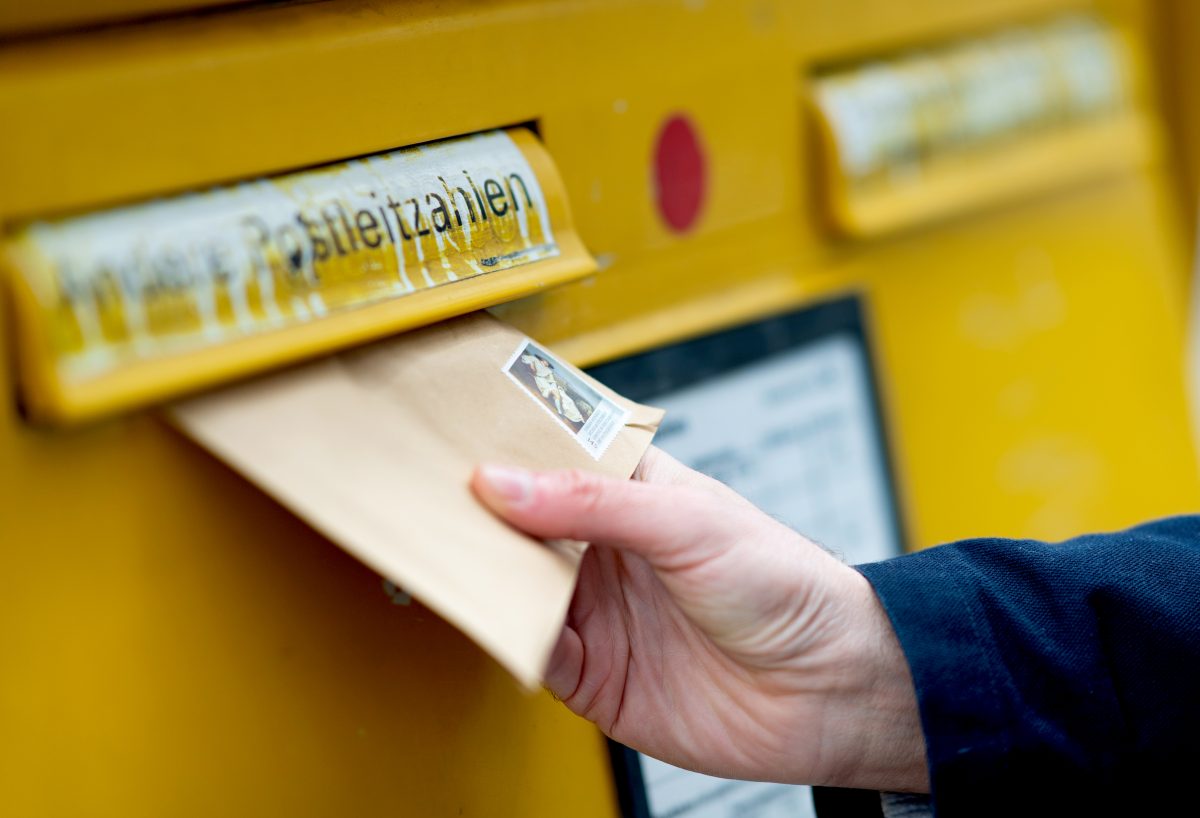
(203, 268)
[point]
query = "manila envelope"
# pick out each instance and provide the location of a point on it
(374, 448)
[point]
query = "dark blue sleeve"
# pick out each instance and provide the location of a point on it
(1054, 676)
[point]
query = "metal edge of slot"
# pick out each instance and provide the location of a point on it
(48, 398)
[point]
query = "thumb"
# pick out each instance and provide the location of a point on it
(667, 525)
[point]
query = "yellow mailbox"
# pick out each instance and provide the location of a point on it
(175, 643)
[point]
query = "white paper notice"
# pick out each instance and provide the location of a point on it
(804, 448)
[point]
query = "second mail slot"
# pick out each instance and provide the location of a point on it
(127, 306)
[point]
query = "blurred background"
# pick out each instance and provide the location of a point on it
(901, 272)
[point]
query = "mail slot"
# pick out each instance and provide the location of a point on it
(963, 125)
(890, 309)
(138, 303)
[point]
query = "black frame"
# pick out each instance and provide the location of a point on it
(643, 376)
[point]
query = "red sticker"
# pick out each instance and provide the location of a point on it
(680, 173)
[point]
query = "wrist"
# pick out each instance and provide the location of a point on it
(873, 722)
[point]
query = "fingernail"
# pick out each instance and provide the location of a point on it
(513, 486)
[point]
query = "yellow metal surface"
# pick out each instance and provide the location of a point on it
(174, 643)
(1176, 39)
(18, 17)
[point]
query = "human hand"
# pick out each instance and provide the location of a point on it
(708, 635)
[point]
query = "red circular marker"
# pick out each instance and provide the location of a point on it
(680, 174)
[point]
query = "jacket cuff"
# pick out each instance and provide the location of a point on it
(945, 638)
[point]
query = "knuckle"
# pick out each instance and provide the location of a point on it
(582, 490)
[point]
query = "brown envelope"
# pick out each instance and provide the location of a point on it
(374, 448)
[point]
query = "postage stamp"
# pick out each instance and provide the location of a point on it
(590, 418)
